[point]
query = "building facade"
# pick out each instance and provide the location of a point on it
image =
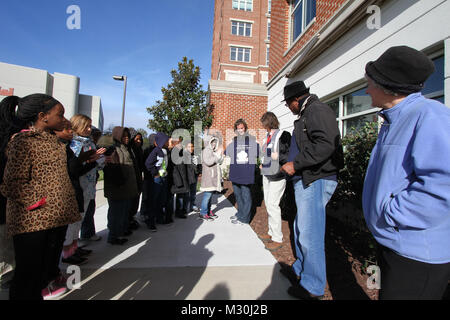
(240, 62)
(328, 43)
(22, 81)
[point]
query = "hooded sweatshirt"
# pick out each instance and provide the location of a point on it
(156, 162)
(120, 175)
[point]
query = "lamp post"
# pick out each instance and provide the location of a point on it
(122, 78)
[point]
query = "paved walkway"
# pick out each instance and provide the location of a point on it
(189, 259)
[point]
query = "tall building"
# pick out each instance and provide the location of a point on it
(327, 44)
(22, 81)
(240, 62)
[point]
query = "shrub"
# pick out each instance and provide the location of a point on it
(358, 146)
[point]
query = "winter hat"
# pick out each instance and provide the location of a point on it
(295, 89)
(401, 69)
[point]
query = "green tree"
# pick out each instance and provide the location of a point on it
(183, 102)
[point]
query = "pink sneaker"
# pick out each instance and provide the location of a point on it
(53, 291)
(60, 281)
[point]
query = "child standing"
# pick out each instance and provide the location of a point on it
(156, 164)
(212, 157)
(120, 186)
(193, 169)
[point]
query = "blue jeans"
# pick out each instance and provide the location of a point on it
(309, 233)
(118, 218)
(243, 196)
(189, 200)
(206, 203)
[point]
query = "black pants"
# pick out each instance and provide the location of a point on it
(37, 257)
(407, 279)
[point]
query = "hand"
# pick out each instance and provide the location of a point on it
(288, 168)
(85, 155)
(101, 151)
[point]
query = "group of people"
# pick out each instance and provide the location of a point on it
(49, 169)
(48, 185)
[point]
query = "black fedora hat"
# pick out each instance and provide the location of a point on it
(295, 89)
(401, 69)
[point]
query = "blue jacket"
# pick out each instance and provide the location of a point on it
(406, 196)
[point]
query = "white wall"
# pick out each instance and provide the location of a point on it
(418, 24)
(63, 87)
(25, 81)
(65, 90)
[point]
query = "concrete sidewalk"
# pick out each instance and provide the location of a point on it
(189, 259)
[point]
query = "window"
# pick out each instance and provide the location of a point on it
(240, 54)
(302, 13)
(434, 86)
(240, 28)
(357, 101)
(356, 110)
(267, 55)
(246, 5)
(269, 6)
(334, 104)
(268, 29)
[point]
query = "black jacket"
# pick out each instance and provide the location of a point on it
(177, 174)
(76, 169)
(319, 142)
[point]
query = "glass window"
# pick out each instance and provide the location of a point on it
(357, 101)
(354, 124)
(303, 12)
(240, 54)
(334, 104)
(267, 55)
(239, 28)
(268, 30)
(246, 5)
(269, 6)
(434, 86)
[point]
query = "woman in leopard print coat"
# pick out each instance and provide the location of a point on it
(40, 198)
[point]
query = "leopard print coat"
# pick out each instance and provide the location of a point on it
(37, 168)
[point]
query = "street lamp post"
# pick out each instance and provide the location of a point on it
(122, 78)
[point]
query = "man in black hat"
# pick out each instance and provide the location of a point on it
(406, 195)
(315, 158)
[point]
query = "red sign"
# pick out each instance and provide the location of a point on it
(7, 93)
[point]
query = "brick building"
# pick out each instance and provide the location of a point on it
(240, 57)
(327, 43)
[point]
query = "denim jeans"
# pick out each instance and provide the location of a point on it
(243, 196)
(189, 200)
(181, 203)
(206, 203)
(309, 233)
(118, 218)
(88, 225)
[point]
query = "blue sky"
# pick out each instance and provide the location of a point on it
(143, 39)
